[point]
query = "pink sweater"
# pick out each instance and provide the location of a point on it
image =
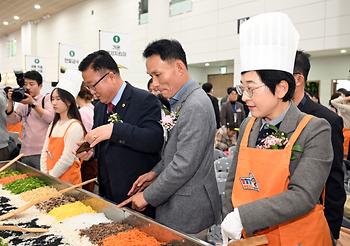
(34, 127)
(87, 116)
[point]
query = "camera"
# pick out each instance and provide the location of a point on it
(19, 78)
(18, 94)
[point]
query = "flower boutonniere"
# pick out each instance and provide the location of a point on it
(278, 140)
(168, 121)
(114, 118)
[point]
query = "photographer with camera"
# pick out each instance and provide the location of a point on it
(35, 111)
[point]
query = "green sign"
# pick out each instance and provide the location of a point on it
(116, 39)
(71, 53)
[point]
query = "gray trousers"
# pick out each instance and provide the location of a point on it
(32, 160)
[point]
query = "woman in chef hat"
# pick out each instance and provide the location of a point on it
(57, 158)
(284, 157)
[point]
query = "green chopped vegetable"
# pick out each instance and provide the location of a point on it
(26, 184)
(8, 173)
(2, 242)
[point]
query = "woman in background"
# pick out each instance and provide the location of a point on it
(57, 158)
(342, 105)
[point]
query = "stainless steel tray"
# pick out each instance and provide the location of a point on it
(120, 215)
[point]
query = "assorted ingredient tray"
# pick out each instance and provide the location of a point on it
(74, 218)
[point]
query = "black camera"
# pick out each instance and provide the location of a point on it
(18, 94)
(19, 78)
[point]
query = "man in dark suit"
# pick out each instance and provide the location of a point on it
(335, 193)
(232, 112)
(130, 145)
(208, 88)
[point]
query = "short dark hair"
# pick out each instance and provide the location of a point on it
(167, 50)
(207, 87)
(302, 63)
(230, 126)
(34, 75)
(342, 90)
(98, 61)
(150, 81)
(272, 77)
(230, 89)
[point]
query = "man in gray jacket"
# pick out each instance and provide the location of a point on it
(182, 186)
(4, 140)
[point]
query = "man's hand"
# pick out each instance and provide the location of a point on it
(138, 202)
(28, 100)
(9, 95)
(99, 134)
(142, 182)
(85, 155)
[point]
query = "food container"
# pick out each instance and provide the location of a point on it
(120, 215)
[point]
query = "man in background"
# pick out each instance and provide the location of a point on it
(4, 140)
(232, 111)
(335, 193)
(225, 137)
(35, 111)
(208, 88)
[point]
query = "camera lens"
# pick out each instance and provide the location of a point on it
(18, 94)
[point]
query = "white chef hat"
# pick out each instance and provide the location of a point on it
(268, 41)
(71, 82)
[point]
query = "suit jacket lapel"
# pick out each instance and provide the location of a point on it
(123, 103)
(291, 120)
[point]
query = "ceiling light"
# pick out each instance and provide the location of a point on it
(207, 64)
(343, 51)
(37, 6)
(16, 17)
(6, 23)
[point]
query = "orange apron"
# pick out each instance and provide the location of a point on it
(55, 149)
(346, 134)
(15, 128)
(264, 173)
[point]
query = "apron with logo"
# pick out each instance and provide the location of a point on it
(55, 149)
(262, 173)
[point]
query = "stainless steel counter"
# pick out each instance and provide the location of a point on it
(123, 215)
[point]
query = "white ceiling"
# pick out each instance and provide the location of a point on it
(25, 10)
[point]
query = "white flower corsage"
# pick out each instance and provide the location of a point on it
(114, 118)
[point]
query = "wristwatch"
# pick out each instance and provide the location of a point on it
(33, 105)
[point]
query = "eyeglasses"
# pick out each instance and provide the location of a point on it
(93, 87)
(249, 90)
